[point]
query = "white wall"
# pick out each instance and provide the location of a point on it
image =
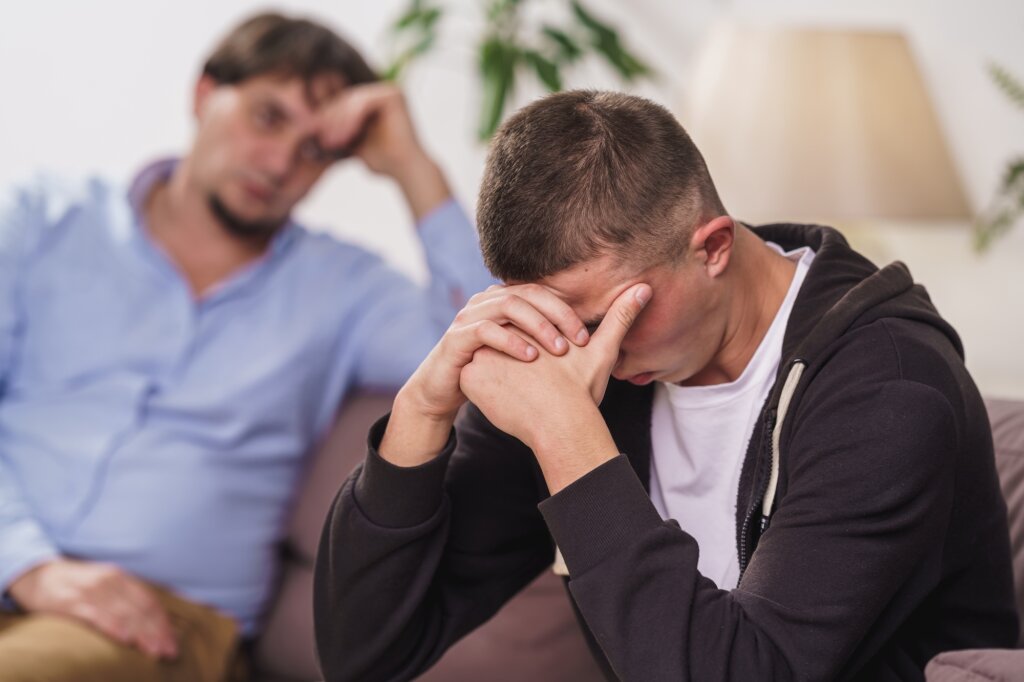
(103, 86)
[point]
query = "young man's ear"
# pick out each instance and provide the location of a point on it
(204, 88)
(712, 244)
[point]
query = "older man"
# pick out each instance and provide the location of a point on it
(171, 349)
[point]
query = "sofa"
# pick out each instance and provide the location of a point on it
(998, 665)
(535, 636)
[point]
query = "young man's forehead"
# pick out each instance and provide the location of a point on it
(585, 280)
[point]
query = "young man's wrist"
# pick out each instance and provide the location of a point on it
(413, 436)
(569, 447)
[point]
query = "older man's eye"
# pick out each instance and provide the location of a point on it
(313, 152)
(266, 118)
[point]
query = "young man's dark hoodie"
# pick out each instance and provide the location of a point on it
(883, 541)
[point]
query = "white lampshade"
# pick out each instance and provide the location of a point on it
(814, 124)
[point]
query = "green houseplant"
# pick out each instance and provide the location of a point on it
(511, 48)
(1007, 206)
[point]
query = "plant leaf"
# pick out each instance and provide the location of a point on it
(497, 69)
(418, 49)
(1013, 88)
(589, 21)
(606, 41)
(994, 225)
(410, 16)
(500, 10)
(566, 47)
(429, 17)
(1006, 209)
(628, 66)
(393, 71)
(1014, 172)
(546, 70)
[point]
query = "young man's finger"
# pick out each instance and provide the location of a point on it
(620, 317)
(512, 309)
(487, 333)
(558, 312)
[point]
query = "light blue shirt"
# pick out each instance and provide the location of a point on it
(165, 434)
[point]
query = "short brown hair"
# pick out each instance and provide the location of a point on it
(272, 43)
(582, 172)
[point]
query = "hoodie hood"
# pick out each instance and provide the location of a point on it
(842, 291)
(845, 290)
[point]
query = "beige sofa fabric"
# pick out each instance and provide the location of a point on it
(287, 650)
(997, 665)
(1007, 419)
(978, 665)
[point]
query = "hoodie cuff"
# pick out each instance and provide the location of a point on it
(595, 516)
(400, 497)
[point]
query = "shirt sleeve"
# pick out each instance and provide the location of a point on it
(452, 250)
(413, 558)
(401, 321)
(24, 543)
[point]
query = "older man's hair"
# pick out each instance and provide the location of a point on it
(286, 47)
(581, 173)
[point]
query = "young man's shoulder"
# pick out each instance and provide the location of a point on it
(892, 350)
(891, 395)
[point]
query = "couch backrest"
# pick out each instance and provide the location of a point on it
(1007, 417)
(286, 650)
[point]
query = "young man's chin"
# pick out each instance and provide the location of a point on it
(641, 379)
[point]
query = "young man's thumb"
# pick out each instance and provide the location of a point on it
(621, 316)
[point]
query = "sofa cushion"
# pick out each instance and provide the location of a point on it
(1007, 417)
(535, 636)
(286, 649)
(340, 453)
(977, 665)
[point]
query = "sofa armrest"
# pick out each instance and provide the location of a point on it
(977, 665)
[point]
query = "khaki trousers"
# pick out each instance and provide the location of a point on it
(45, 648)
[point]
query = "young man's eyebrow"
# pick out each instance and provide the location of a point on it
(593, 324)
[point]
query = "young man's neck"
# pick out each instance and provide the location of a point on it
(180, 220)
(762, 278)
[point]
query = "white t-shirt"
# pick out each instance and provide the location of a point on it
(699, 437)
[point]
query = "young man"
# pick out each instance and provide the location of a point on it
(170, 351)
(790, 476)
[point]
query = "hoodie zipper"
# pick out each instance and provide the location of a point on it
(769, 478)
(758, 497)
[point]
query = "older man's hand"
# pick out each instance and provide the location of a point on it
(372, 122)
(103, 596)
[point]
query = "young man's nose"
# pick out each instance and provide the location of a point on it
(618, 365)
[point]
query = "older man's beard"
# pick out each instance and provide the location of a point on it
(255, 230)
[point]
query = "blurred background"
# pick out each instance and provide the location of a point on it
(886, 119)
